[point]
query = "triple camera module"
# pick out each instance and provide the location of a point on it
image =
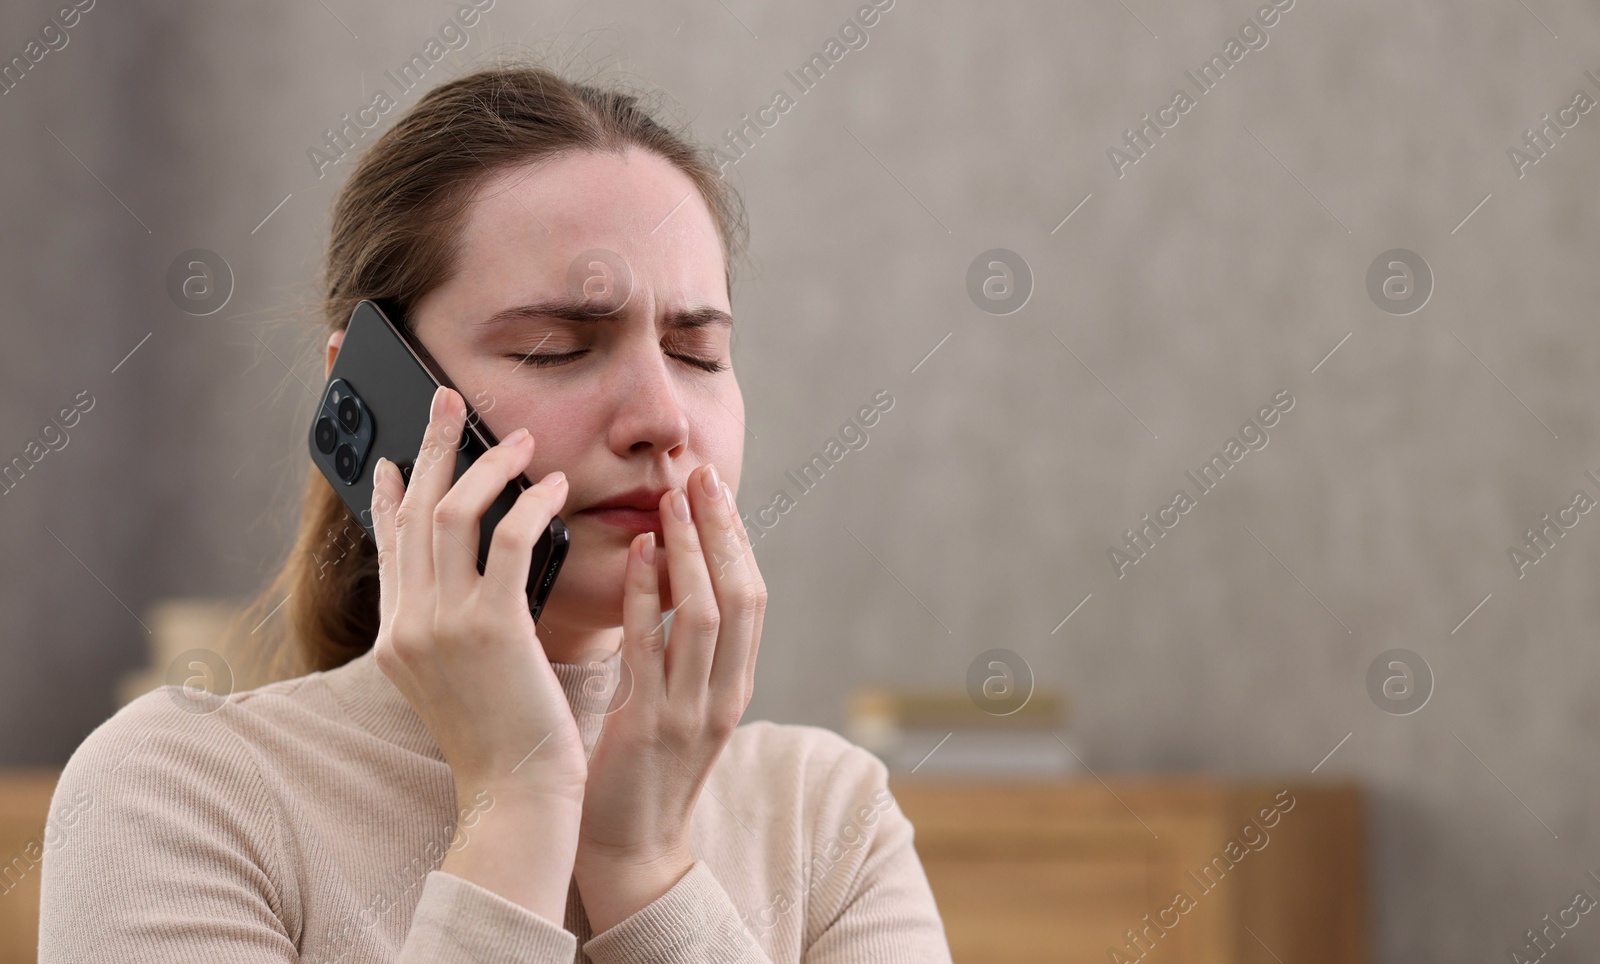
(344, 430)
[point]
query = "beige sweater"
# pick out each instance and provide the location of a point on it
(304, 821)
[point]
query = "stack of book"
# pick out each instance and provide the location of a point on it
(190, 644)
(944, 733)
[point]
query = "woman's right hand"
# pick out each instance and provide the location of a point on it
(462, 647)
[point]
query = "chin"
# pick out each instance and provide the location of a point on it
(588, 592)
(587, 595)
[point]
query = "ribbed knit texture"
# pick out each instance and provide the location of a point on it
(304, 821)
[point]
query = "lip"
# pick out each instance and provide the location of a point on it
(627, 518)
(643, 497)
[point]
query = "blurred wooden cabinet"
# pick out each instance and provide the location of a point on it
(24, 804)
(1076, 870)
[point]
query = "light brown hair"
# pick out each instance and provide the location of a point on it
(395, 236)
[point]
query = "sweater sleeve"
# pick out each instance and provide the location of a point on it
(460, 922)
(694, 922)
(865, 895)
(868, 898)
(173, 854)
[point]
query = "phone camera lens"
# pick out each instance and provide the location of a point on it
(344, 462)
(327, 435)
(350, 413)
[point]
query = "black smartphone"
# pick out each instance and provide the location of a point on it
(376, 403)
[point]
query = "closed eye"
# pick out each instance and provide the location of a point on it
(561, 358)
(549, 359)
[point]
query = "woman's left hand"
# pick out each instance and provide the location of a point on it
(687, 695)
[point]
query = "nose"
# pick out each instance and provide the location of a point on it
(649, 415)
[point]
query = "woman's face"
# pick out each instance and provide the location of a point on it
(623, 404)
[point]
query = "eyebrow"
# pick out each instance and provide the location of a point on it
(584, 311)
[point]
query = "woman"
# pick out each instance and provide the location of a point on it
(444, 781)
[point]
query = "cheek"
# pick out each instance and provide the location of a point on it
(719, 433)
(563, 424)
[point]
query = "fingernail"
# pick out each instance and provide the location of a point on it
(680, 505)
(727, 496)
(709, 482)
(377, 470)
(437, 409)
(517, 437)
(554, 478)
(647, 552)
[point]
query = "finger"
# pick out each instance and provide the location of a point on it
(643, 637)
(727, 546)
(431, 475)
(511, 548)
(458, 518)
(695, 618)
(729, 565)
(755, 639)
(386, 491)
(758, 586)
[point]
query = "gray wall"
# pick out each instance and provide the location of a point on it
(1215, 273)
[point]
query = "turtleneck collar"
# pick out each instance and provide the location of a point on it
(372, 701)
